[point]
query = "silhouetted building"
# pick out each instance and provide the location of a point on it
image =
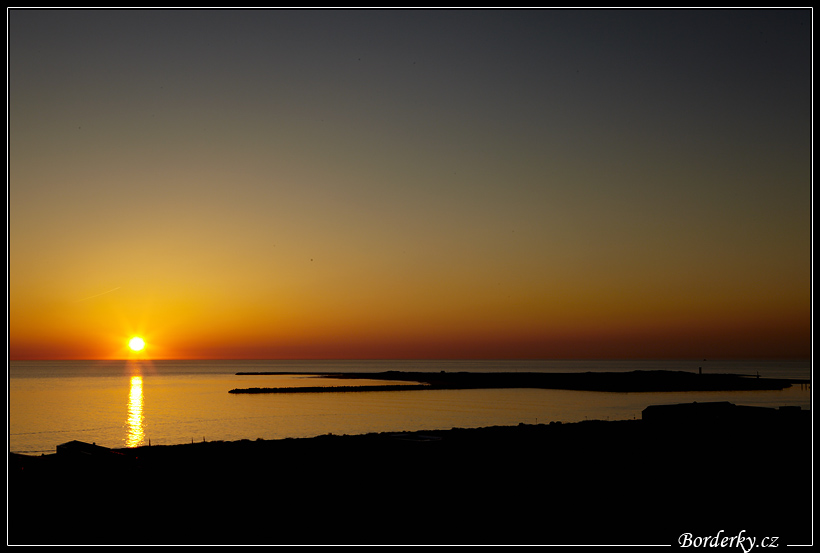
(76, 450)
(714, 413)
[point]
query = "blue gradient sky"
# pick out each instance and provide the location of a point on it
(410, 183)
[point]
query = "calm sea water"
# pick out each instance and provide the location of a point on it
(132, 403)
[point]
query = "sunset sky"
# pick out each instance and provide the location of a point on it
(410, 184)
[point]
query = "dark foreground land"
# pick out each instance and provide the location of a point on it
(694, 470)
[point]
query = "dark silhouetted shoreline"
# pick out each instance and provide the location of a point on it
(593, 482)
(632, 381)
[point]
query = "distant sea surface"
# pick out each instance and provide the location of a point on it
(131, 403)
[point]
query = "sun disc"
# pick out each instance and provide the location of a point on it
(136, 343)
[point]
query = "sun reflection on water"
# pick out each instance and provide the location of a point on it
(135, 430)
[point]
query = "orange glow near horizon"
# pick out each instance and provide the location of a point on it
(339, 308)
(719, 337)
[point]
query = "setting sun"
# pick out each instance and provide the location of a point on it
(136, 343)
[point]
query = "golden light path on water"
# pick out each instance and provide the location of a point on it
(135, 431)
